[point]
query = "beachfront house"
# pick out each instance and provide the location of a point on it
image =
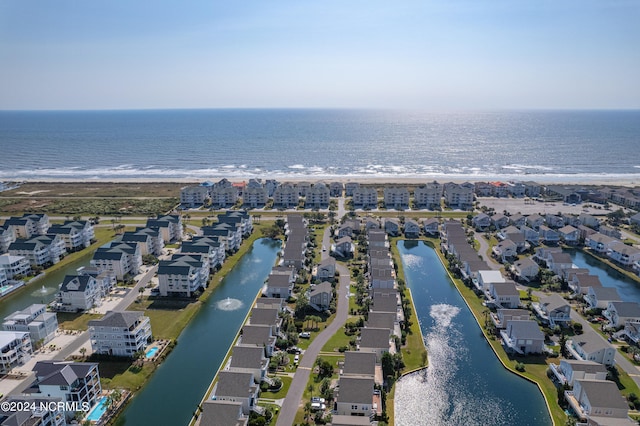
(590, 346)
(365, 197)
(15, 349)
(194, 196)
(7, 236)
(523, 337)
(428, 196)
(396, 197)
(40, 324)
(120, 333)
(70, 381)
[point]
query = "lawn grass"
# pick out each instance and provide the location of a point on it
(286, 383)
(75, 321)
(123, 375)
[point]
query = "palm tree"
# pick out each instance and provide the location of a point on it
(83, 351)
(307, 410)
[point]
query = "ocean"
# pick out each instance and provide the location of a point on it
(568, 146)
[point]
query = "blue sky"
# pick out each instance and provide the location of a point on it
(436, 55)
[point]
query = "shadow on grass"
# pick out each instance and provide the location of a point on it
(170, 305)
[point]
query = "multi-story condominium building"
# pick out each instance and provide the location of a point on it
(224, 197)
(428, 196)
(122, 259)
(286, 196)
(183, 275)
(14, 265)
(39, 250)
(7, 236)
(75, 234)
(79, 293)
(238, 217)
(120, 333)
(15, 349)
(532, 189)
(193, 196)
(350, 187)
(215, 249)
(458, 196)
(29, 225)
(336, 189)
(317, 196)
(227, 234)
(254, 197)
(516, 189)
(396, 197)
(35, 320)
(151, 237)
(53, 416)
(365, 197)
(169, 227)
(69, 381)
(303, 188)
(3, 278)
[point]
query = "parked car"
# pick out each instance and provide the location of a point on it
(296, 359)
(305, 335)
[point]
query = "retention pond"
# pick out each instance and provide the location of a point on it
(465, 383)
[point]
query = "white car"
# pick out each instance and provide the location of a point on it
(296, 359)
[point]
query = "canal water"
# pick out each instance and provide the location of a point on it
(465, 383)
(43, 290)
(178, 385)
(628, 289)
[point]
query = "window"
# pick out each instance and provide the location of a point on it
(354, 407)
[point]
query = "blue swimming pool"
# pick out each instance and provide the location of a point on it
(98, 410)
(151, 352)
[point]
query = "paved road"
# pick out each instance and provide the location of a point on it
(484, 247)
(301, 378)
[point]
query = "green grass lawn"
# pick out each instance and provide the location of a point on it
(118, 375)
(286, 383)
(75, 321)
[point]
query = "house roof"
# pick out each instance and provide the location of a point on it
(384, 304)
(221, 413)
(590, 341)
(356, 390)
(587, 280)
(278, 281)
(627, 309)
(561, 258)
(247, 356)
(490, 276)
(377, 338)
(553, 302)
(61, 373)
(264, 316)
(525, 329)
(525, 262)
(120, 319)
(505, 289)
(586, 366)
(324, 287)
(606, 293)
(232, 384)
(256, 334)
(359, 363)
(381, 320)
(603, 393)
(76, 282)
(343, 420)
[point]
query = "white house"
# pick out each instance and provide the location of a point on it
(553, 310)
(396, 197)
(15, 349)
(183, 275)
(600, 243)
(598, 402)
(619, 313)
(590, 346)
(120, 333)
(14, 265)
(79, 293)
(624, 254)
(355, 397)
(570, 370)
(505, 295)
(249, 359)
(523, 337)
(600, 297)
(40, 324)
(525, 269)
(237, 387)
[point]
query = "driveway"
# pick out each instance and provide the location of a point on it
(484, 247)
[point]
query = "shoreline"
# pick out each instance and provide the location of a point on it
(628, 180)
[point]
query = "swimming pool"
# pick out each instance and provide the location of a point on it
(151, 352)
(98, 410)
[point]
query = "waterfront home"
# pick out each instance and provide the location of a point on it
(610, 231)
(458, 196)
(229, 234)
(396, 197)
(70, 381)
(222, 413)
(554, 221)
(3, 280)
(382, 302)
(14, 265)
(194, 196)
(217, 253)
(502, 316)
(303, 188)
(411, 228)
(487, 278)
(279, 285)
(266, 316)
(76, 234)
(430, 226)
(570, 273)
(144, 241)
(553, 310)
(15, 349)
(525, 269)
(355, 396)
(224, 197)
(286, 196)
(350, 187)
(79, 293)
(590, 346)
(365, 197)
(558, 261)
(598, 402)
(518, 220)
(391, 226)
(238, 218)
(377, 238)
(208, 252)
(254, 197)
(632, 331)
(570, 370)
(569, 234)
(504, 295)
(29, 225)
(387, 320)
(505, 250)
(156, 242)
(34, 319)
(581, 283)
(320, 296)
(344, 247)
(317, 197)
(599, 297)
(600, 243)
(428, 196)
(52, 416)
(523, 337)
(7, 236)
(376, 340)
(39, 250)
(339, 420)
(168, 226)
(270, 303)
(183, 275)
(249, 359)
(383, 276)
(122, 259)
(619, 313)
(530, 235)
(237, 387)
(362, 364)
(481, 221)
(548, 235)
(516, 189)
(120, 333)
(259, 335)
(500, 220)
(336, 189)
(624, 255)
(326, 269)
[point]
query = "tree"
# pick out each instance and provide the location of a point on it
(83, 351)
(325, 369)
